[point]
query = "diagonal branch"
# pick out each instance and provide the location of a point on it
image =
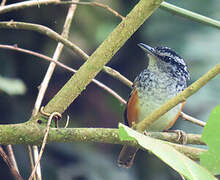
(55, 36)
(31, 3)
(190, 15)
(166, 6)
(106, 88)
(45, 82)
(178, 99)
(46, 31)
(100, 57)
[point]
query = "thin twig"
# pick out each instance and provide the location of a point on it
(67, 121)
(164, 5)
(55, 36)
(46, 31)
(38, 168)
(192, 119)
(105, 7)
(50, 70)
(190, 15)
(3, 2)
(184, 115)
(26, 4)
(13, 170)
(44, 142)
(106, 88)
(29, 150)
(12, 156)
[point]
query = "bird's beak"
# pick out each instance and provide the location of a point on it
(147, 48)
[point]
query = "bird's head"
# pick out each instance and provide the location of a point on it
(166, 59)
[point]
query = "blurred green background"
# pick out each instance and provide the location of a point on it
(196, 43)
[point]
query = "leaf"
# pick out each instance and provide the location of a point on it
(179, 162)
(210, 135)
(12, 86)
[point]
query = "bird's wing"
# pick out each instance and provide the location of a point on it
(131, 112)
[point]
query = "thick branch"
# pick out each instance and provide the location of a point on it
(31, 133)
(101, 56)
(190, 15)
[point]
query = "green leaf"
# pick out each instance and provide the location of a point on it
(179, 162)
(12, 86)
(210, 135)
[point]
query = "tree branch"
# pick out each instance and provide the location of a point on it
(32, 133)
(164, 5)
(190, 15)
(46, 31)
(45, 82)
(100, 57)
(106, 88)
(103, 86)
(55, 36)
(31, 3)
(192, 119)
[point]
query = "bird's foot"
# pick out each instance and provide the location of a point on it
(182, 137)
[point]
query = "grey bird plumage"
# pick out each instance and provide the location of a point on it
(165, 76)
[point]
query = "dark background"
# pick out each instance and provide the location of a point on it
(196, 43)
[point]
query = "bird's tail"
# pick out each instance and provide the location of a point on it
(126, 156)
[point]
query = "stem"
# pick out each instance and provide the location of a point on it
(101, 56)
(190, 15)
(192, 119)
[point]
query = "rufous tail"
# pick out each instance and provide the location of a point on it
(126, 156)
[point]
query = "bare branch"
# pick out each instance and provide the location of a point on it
(28, 4)
(50, 70)
(192, 119)
(11, 156)
(45, 82)
(13, 170)
(3, 2)
(31, 159)
(53, 35)
(190, 15)
(106, 88)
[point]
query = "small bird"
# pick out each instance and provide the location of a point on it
(165, 76)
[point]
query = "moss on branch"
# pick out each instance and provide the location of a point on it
(31, 133)
(101, 56)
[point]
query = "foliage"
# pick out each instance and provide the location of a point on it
(185, 166)
(210, 136)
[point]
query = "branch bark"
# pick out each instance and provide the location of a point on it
(101, 56)
(32, 133)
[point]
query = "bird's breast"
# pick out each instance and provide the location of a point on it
(153, 91)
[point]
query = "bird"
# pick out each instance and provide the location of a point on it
(165, 76)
